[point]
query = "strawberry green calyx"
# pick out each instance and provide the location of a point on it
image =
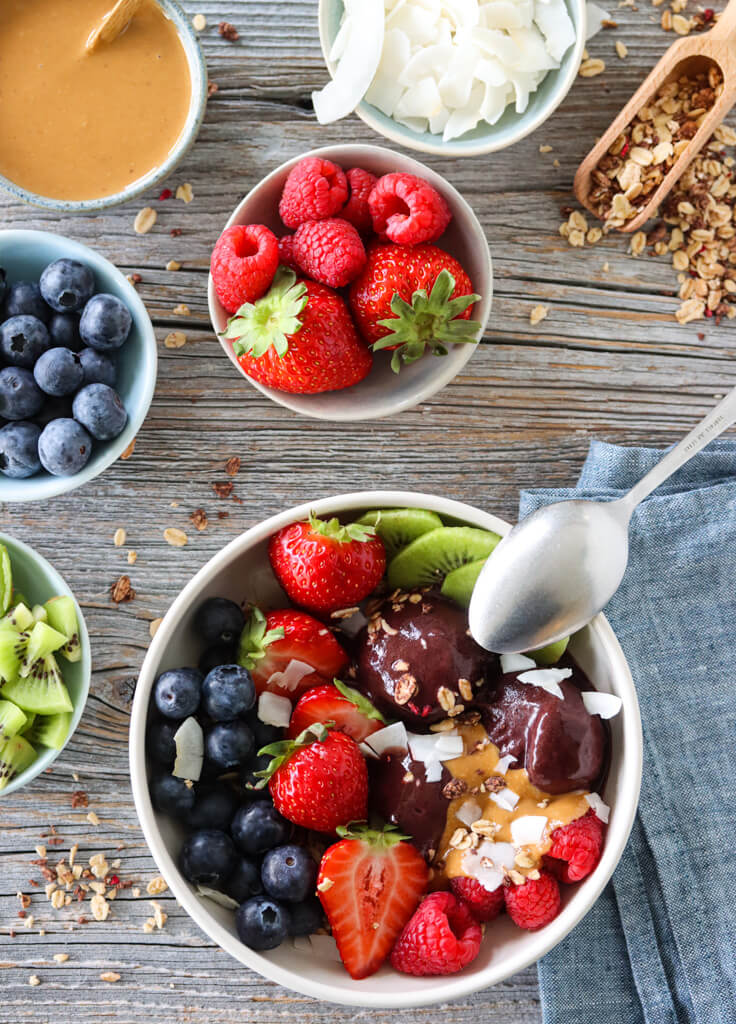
(271, 320)
(343, 533)
(281, 751)
(428, 322)
(362, 703)
(384, 837)
(255, 638)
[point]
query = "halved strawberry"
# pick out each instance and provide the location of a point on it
(370, 884)
(351, 712)
(270, 642)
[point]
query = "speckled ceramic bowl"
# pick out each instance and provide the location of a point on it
(34, 577)
(484, 138)
(383, 392)
(197, 108)
(242, 570)
(23, 255)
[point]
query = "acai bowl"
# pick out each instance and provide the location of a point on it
(312, 965)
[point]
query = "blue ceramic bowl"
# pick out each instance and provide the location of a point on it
(484, 138)
(24, 254)
(197, 108)
(38, 581)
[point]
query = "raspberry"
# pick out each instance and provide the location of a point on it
(535, 903)
(576, 848)
(407, 210)
(329, 251)
(441, 937)
(315, 189)
(286, 253)
(483, 904)
(356, 210)
(244, 262)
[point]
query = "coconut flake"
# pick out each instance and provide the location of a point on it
(221, 898)
(469, 812)
(528, 829)
(516, 663)
(594, 18)
(358, 63)
(548, 679)
(274, 709)
(366, 751)
(506, 799)
(503, 764)
(385, 741)
(292, 675)
(450, 744)
(302, 944)
(605, 705)
(432, 752)
(489, 862)
(601, 809)
(189, 740)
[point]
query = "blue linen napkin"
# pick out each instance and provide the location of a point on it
(659, 946)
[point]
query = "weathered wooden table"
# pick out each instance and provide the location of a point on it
(609, 362)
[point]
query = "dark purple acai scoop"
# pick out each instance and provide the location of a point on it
(401, 795)
(426, 646)
(561, 746)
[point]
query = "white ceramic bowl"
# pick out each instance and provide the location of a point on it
(484, 138)
(383, 392)
(506, 949)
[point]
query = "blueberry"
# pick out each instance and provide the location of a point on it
(24, 297)
(171, 795)
(64, 331)
(219, 621)
(214, 807)
(307, 917)
(160, 741)
(67, 285)
(98, 368)
(176, 692)
(248, 777)
(258, 827)
(218, 654)
(64, 446)
(228, 691)
(263, 734)
(19, 449)
(245, 881)
(22, 340)
(228, 745)
(54, 409)
(98, 408)
(3, 284)
(20, 396)
(105, 322)
(59, 372)
(289, 873)
(262, 923)
(208, 857)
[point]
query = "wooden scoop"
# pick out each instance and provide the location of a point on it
(112, 24)
(688, 56)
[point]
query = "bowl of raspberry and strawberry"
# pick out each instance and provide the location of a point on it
(351, 283)
(346, 792)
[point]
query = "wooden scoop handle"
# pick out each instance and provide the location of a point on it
(113, 23)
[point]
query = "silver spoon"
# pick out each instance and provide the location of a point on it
(560, 566)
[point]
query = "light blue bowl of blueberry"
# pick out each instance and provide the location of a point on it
(77, 364)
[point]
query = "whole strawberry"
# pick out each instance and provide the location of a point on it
(325, 566)
(299, 337)
(319, 780)
(413, 299)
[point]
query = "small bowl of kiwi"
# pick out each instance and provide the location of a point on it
(45, 664)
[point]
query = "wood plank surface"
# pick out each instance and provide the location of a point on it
(608, 362)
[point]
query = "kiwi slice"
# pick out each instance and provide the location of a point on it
(42, 691)
(397, 527)
(429, 558)
(31, 717)
(62, 616)
(12, 650)
(42, 640)
(550, 654)
(12, 720)
(50, 730)
(459, 583)
(39, 613)
(20, 617)
(6, 580)
(16, 755)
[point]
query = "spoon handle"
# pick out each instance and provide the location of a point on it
(713, 425)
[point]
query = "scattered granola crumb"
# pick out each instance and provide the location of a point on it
(228, 31)
(100, 907)
(109, 976)
(152, 630)
(185, 192)
(119, 537)
(156, 886)
(122, 590)
(159, 917)
(61, 958)
(128, 451)
(621, 49)
(592, 67)
(232, 466)
(538, 314)
(136, 892)
(144, 221)
(173, 265)
(132, 557)
(79, 799)
(34, 980)
(199, 519)
(223, 490)
(176, 538)
(212, 88)
(182, 309)
(133, 279)
(199, 22)
(92, 818)
(175, 232)
(176, 339)
(545, 149)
